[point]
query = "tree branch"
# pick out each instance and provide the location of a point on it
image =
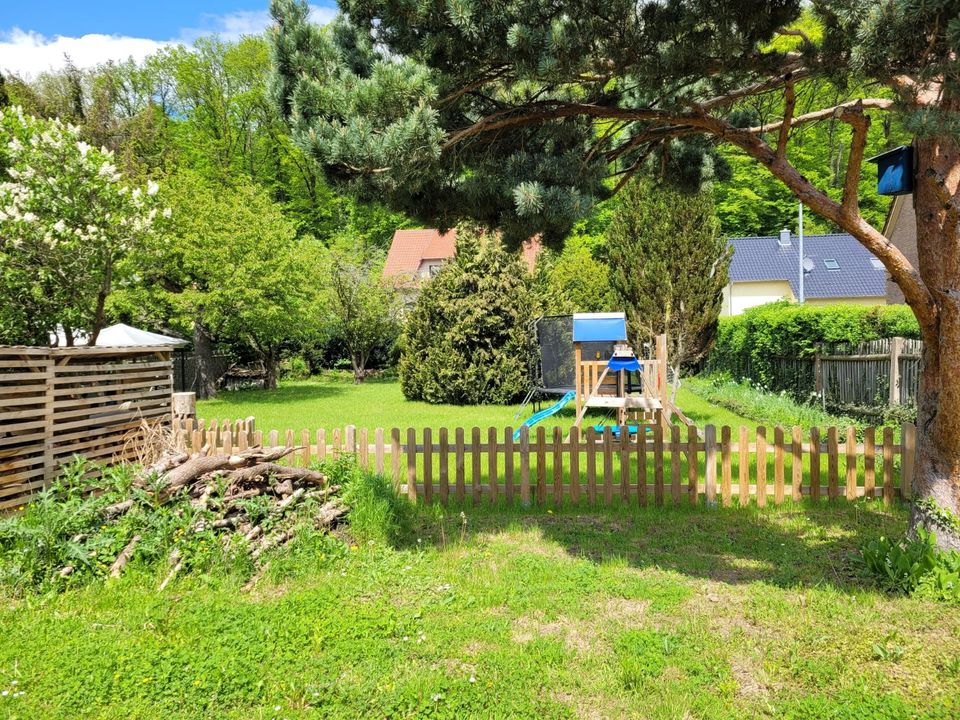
(835, 111)
(790, 102)
(790, 74)
(851, 184)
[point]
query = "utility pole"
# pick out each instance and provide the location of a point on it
(800, 228)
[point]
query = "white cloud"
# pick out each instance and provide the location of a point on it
(29, 53)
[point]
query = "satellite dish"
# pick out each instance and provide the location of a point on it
(808, 264)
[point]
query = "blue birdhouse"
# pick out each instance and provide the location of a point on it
(894, 171)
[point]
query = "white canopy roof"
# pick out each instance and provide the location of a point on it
(121, 335)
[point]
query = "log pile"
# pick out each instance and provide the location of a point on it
(219, 488)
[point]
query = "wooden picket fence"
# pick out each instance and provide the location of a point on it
(679, 466)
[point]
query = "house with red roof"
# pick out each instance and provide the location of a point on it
(417, 255)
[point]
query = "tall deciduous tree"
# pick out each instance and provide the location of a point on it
(229, 266)
(514, 112)
(68, 219)
(364, 310)
(668, 266)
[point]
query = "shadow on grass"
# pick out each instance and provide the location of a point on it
(795, 545)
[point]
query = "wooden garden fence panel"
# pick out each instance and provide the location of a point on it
(544, 468)
(56, 403)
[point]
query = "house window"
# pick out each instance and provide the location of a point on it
(877, 263)
(433, 269)
(831, 264)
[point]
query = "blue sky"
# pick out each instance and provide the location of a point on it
(35, 34)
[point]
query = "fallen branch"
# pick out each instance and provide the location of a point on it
(124, 557)
(177, 561)
(117, 509)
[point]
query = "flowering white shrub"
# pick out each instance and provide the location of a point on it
(68, 217)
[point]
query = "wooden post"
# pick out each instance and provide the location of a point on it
(658, 460)
(574, 441)
(896, 349)
(887, 465)
(778, 465)
(475, 474)
(412, 464)
(492, 454)
(743, 466)
(458, 464)
(869, 462)
(183, 405)
(710, 464)
(557, 466)
(662, 370)
(833, 470)
(525, 466)
(818, 378)
(796, 464)
(444, 466)
(428, 465)
(761, 466)
(607, 465)
(692, 469)
(642, 467)
(726, 491)
(541, 466)
(851, 448)
(577, 380)
(815, 463)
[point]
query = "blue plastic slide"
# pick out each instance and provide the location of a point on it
(545, 413)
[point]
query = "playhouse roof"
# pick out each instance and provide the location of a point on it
(599, 327)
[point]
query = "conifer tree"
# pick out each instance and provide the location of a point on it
(467, 339)
(668, 267)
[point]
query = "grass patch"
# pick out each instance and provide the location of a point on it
(762, 406)
(490, 612)
(332, 401)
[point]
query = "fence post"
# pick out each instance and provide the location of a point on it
(710, 464)
(896, 348)
(818, 377)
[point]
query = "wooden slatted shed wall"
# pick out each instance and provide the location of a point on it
(59, 402)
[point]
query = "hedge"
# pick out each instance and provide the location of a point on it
(747, 343)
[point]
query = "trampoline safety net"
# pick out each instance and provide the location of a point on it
(555, 340)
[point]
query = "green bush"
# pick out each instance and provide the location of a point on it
(467, 339)
(746, 344)
(377, 512)
(915, 566)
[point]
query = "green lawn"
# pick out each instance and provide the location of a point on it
(667, 613)
(334, 401)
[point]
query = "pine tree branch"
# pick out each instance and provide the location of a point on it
(791, 74)
(790, 103)
(826, 113)
(851, 184)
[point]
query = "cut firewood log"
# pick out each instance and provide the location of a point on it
(271, 542)
(196, 467)
(117, 509)
(253, 533)
(290, 499)
(124, 557)
(284, 488)
(163, 465)
(279, 472)
(329, 513)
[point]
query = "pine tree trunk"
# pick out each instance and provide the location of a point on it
(203, 352)
(937, 199)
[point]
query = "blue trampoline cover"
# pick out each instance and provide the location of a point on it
(624, 363)
(599, 327)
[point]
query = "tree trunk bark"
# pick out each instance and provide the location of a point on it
(271, 365)
(359, 368)
(937, 202)
(203, 352)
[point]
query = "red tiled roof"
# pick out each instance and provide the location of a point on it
(410, 247)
